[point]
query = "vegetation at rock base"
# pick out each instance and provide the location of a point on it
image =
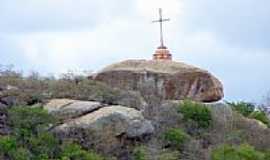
(74, 151)
(31, 140)
(140, 153)
(267, 155)
(242, 152)
(169, 155)
(35, 89)
(243, 108)
(250, 110)
(260, 116)
(176, 137)
(196, 112)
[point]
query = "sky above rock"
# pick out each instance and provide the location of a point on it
(230, 38)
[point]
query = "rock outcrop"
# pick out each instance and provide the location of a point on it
(169, 80)
(65, 109)
(107, 128)
(108, 124)
(117, 120)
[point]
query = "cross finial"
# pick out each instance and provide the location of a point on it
(161, 20)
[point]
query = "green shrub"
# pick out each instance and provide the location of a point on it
(7, 144)
(20, 154)
(243, 108)
(242, 152)
(44, 144)
(169, 155)
(8, 148)
(248, 152)
(75, 152)
(83, 90)
(31, 140)
(140, 153)
(196, 112)
(248, 110)
(267, 155)
(260, 116)
(28, 121)
(176, 137)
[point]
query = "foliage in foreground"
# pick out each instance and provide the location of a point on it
(196, 112)
(141, 153)
(31, 140)
(242, 152)
(169, 155)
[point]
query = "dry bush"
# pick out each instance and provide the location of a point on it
(18, 90)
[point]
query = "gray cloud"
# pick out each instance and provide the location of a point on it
(243, 23)
(230, 38)
(60, 15)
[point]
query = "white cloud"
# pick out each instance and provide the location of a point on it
(172, 8)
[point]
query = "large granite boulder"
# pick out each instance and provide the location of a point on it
(106, 127)
(167, 79)
(117, 120)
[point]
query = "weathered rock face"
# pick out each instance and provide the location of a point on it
(93, 122)
(166, 79)
(117, 120)
(100, 118)
(66, 108)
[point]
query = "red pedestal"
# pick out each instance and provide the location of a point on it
(162, 54)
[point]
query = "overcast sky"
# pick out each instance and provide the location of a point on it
(230, 38)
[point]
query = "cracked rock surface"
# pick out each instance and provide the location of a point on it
(99, 118)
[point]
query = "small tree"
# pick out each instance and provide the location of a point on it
(196, 112)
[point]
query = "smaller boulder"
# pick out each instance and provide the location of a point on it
(65, 109)
(3, 106)
(9, 100)
(117, 120)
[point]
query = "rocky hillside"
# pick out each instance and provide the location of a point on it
(77, 118)
(118, 131)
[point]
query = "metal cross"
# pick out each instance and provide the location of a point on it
(161, 20)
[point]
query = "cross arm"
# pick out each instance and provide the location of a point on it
(161, 20)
